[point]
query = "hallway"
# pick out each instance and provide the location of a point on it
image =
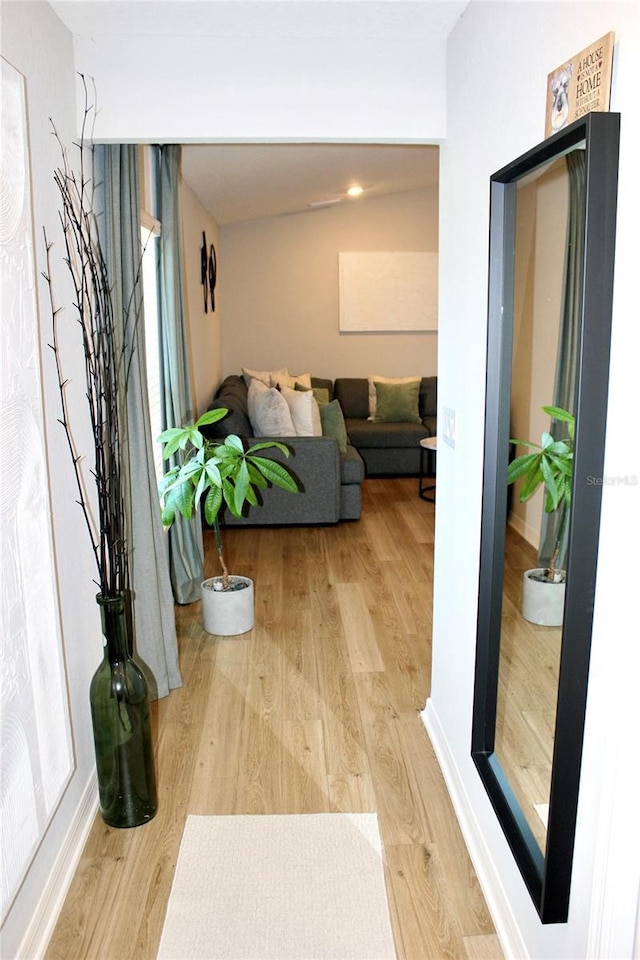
(315, 710)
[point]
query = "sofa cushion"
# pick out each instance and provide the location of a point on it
(269, 412)
(431, 425)
(304, 411)
(322, 395)
(322, 392)
(322, 383)
(315, 462)
(333, 423)
(428, 403)
(365, 433)
(351, 466)
(264, 376)
(233, 390)
(290, 380)
(397, 402)
(374, 379)
(353, 394)
(235, 422)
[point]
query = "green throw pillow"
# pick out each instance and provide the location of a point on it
(397, 402)
(320, 393)
(333, 423)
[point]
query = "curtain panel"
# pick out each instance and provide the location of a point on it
(568, 339)
(186, 553)
(117, 196)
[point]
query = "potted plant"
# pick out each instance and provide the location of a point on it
(224, 473)
(551, 466)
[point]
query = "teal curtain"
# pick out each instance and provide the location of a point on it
(117, 197)
(568, 338)
(185, 537)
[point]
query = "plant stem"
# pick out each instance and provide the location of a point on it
(223, 566)
(551, 572)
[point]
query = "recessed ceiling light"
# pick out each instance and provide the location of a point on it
(355, 190)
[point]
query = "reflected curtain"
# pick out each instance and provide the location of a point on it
(117, 195)
(186, 554)
(569, 337)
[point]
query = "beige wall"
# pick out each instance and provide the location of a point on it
(279, 288)
(205, 338)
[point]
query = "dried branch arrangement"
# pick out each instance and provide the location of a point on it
(106, 367)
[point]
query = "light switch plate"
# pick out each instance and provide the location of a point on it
(449, 431)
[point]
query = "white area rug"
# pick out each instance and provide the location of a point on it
(306, 887)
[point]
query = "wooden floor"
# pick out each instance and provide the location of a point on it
(527, 692)
(315, 710)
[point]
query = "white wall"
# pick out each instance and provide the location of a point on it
(512, 47)
(275, 87)
(37, 45)
(279, 288)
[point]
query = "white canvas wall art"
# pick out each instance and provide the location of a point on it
(35, 748)
(388, 291)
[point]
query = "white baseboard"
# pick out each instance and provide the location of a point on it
(495, 895)
(36, 939)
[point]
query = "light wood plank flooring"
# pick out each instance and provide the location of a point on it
(527, 691)
(317, 709)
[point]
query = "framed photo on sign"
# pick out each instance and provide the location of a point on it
(580, 85)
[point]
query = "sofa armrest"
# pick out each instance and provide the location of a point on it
(315, 463)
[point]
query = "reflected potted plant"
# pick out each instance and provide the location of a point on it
(552, 467)
(224, 473)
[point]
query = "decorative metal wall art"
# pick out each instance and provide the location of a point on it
(208, 273)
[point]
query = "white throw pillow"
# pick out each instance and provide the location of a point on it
(268, 411)
(264, 376)
(304, 411)
(289, 380)
(375, 378)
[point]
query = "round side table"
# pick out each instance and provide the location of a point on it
(427, 491)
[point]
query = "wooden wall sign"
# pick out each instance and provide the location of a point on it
(580, 85)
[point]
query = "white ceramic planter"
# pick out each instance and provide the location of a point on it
(227, 613)
(542, 602)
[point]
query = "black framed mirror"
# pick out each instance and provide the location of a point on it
(551, 256)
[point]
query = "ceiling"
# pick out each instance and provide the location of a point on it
(331, 19)
(238, 182)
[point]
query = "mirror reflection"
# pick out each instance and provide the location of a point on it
(548, 259)
(551, 256)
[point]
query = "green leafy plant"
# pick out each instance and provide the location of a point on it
(551, 466)
(222, 472)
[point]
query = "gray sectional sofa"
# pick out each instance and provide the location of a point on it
(386, 448)
(330, 481)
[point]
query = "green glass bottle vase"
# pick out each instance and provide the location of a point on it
(122, 724)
